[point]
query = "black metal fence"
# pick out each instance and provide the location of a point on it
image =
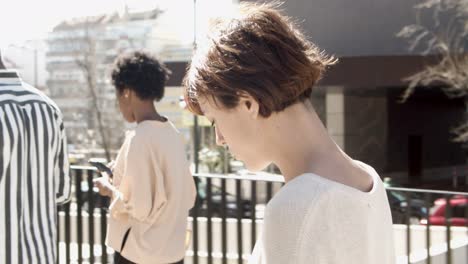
(430, 208)
(227, 214)
(82, 212)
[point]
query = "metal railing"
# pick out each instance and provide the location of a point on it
(436, 208)
(226, 218)
(77, 213)
(230, 197)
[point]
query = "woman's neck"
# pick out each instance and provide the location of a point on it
(146, 111)
(302, 144)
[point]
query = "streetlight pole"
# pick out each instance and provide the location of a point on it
(196, 147)
(196, 140)
(35, 67)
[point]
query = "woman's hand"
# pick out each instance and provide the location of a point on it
(111, 164)
(104, 186)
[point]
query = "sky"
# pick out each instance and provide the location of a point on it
(22, 20)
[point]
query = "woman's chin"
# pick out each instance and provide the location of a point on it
(256, 166)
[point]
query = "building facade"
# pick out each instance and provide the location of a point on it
(359, 99)
(79, 60)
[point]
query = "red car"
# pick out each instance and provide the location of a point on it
(458, 206)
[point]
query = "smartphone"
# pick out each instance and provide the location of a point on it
(101, 167)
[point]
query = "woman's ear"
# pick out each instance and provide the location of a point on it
(250, 105)
(124, 93)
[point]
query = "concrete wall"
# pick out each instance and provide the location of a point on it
(366, 129)
(335, 115)
(438, 244)
(459, 255)
(354, 28)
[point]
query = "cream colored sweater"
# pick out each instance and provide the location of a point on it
(155, 192)
(312, 220)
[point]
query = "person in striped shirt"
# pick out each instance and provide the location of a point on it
(34, 171)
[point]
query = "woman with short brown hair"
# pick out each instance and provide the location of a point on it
(253, 81)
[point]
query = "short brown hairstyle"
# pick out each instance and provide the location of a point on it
(261, 53)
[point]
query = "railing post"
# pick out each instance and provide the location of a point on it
(91, 216)
(269, 191)
(209, 222)
(103, 236)
(223, 221)
(448, 215)
(195, 223)
(427, 202)
(67, 232)
(253, 210)
(239, 221)
(79, 203)
(408, 225)
(59, 226)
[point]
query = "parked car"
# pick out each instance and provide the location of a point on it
(217, 205)
(458, 206)
(399, 205)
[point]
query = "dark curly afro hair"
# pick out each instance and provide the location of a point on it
(142, 73)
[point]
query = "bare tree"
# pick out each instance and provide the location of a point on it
(87, 60)
(444, 36)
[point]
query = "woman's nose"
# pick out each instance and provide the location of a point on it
(219, 138)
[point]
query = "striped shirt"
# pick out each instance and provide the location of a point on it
(34, 172)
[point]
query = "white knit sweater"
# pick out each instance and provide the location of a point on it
(318, 221)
